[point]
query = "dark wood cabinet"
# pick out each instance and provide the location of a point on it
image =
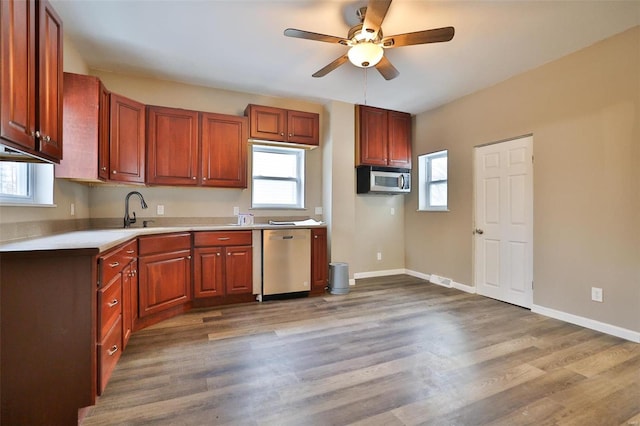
(282, 125)
(127, 140)
(383, 137)
(129, 301)
(86, 129)
(223, 264)
(224, 151)
(164, 277)
(31, 78)
(172, 146)
(319, 260)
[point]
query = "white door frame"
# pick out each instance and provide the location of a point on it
(496, 281)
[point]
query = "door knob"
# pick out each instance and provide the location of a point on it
(478, 231)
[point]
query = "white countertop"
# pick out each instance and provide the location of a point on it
(104, 239)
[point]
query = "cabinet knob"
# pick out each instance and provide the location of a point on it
(315, 236)
(218, 254)
(112, 350)
(228, 254)
(47, 138)
(113, 303)
(194, 178)
(282, 134)
(188, 257)
(36, 134)
(104, 168)
(204, 178)
(290, 134)
(114, 172)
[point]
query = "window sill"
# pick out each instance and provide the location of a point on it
(2, 204)
(432, 210)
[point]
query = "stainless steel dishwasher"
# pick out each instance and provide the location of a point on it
(286, 262)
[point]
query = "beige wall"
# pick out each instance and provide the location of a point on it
(584, 113)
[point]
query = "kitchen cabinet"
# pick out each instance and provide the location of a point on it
(319, 260)
(224, 151)
(164, 272)
(223, 264)
(172, 146)
(282, 125)
(114, 308)
(86, 129)
(127, 140)
(383, 137)
(31, 78)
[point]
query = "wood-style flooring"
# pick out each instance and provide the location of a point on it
(394, 351)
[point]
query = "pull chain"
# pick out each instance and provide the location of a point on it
(365, 85)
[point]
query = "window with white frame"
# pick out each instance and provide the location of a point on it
(433, 181)
(277, 177)
(26, 183)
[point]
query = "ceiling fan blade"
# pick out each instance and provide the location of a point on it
(292, 32)
(388, 71)
(376, 11)
(436, 35)
(332, 66)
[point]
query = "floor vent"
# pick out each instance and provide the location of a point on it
(436, 279)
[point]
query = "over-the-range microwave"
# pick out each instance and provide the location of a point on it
(382, 180)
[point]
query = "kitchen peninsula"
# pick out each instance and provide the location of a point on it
(71, 301)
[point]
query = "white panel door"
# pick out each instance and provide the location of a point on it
(504, 221)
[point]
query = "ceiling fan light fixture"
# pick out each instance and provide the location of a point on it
(365, 55)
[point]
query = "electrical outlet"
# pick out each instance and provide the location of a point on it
(236, 211)
(160, 209)
(379, 256)
(318, 210)
(393, 211)
(73, 209)
(596, 294)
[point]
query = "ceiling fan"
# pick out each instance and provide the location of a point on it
(367, 43)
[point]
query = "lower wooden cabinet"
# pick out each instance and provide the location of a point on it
(223, 263)
(129, 301)
(319, 260)
(164, 278)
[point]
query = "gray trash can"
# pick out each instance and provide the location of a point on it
(339, 278)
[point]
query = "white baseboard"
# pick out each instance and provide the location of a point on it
(374, 274)
(417, 274)
(466, 288)
(602, 327)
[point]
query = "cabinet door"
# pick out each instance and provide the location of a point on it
(208, 269)
(50, 84)
(172, 146)
(303, 127)
(164, 281)
(126, 145)
(18, 56)
(399, 139)
(224, 151)
(371, 137)
(319, 263)
(103, 133)
(239, 270)
(267, 123)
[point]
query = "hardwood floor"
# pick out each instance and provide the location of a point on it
(395, 351)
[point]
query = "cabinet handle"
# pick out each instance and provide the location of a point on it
(130, 251)
(113, 303)
(223, 238)
(114, 264)
(112, 350)
(36, 134)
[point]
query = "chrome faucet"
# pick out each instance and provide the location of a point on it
(128, 220)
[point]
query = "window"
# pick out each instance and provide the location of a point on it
(26, 183)
(277, 178)
(433, 183)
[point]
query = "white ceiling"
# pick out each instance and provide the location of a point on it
(239, 44)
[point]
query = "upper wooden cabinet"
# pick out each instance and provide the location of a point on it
(172, 146)
(127, 140)
(282, 125)
(383, 137)
(86, 129)
(224, 151)
(31, 78)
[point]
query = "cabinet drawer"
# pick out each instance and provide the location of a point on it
(222, 238)
(109, 305)
(114, 261)
(164, 243)
(109, 351)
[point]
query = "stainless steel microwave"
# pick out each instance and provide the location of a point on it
(382, 180)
